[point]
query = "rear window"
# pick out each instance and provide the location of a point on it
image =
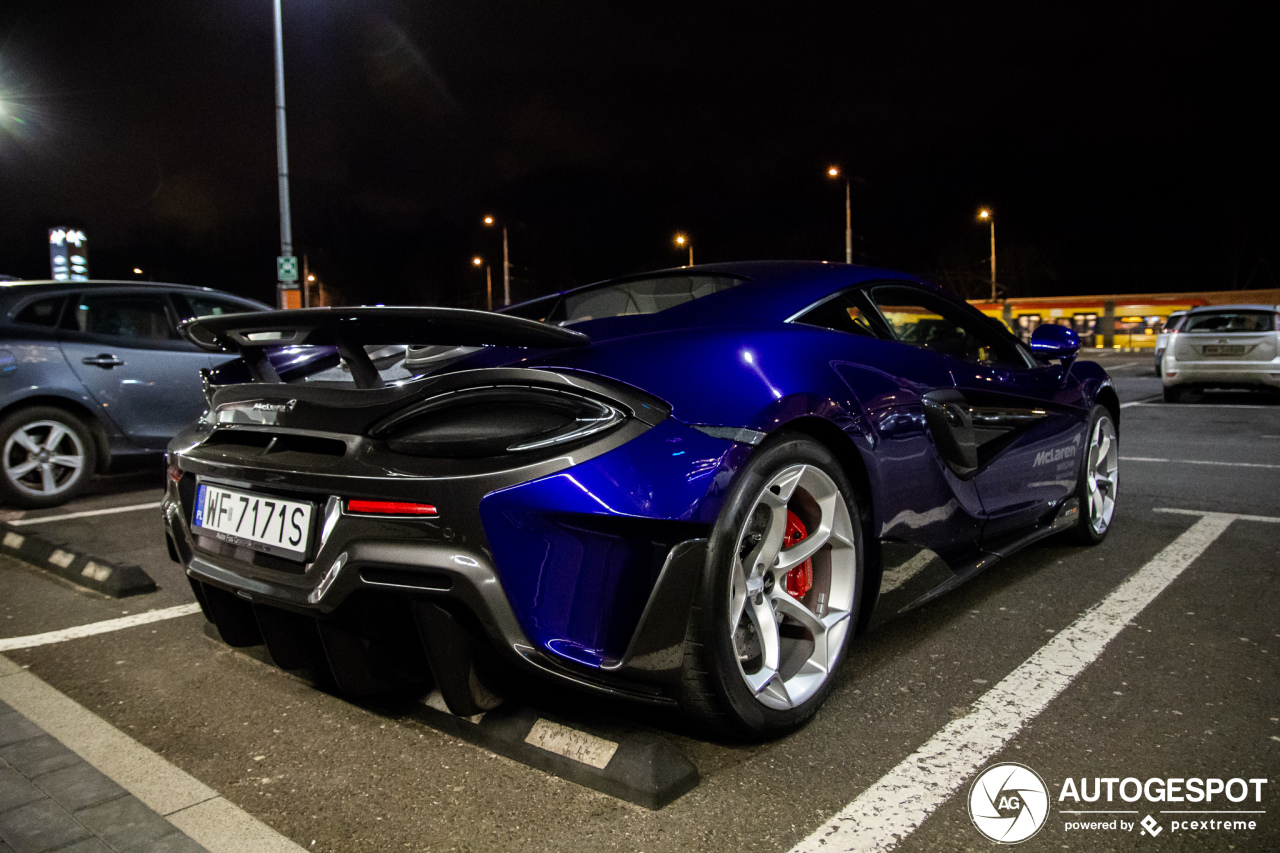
(640, 296)
(1222, 322)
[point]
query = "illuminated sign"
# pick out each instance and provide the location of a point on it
(69, 254)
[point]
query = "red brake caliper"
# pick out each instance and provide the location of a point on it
(799, 579)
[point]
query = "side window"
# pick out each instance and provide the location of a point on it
(42, 312)
(845, 312)
(207, 306)
(138, 317)
(926, 320)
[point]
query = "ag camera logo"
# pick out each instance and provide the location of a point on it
(1008, 803)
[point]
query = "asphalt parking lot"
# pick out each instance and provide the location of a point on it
(1153, 655)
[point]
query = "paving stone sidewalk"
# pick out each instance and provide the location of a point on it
(51, 799)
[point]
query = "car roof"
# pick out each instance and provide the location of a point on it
(1207, 309)
(11, 291)
(771, 291)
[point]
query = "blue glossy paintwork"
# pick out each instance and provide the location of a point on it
(730, 359)
(1053, 341)
(578, 585)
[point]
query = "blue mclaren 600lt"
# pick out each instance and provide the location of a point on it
(692, 487)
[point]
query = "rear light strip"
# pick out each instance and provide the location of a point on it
(390, 508)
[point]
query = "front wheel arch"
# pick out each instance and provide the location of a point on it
(716, 687)
(851, 462)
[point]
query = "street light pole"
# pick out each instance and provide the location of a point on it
(848, 225)
(986, 214)
(488, 282)
(682, 240)
(282, 158)
(834, 172)
(506, 262)
(506, 271)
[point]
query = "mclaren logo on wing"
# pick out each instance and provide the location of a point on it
(275, 407)
(260, 413)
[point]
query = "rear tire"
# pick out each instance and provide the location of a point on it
(1099, 478)
(47, 457)
(760, 660)
(1172, 394)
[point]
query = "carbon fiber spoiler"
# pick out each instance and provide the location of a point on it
(350, 330)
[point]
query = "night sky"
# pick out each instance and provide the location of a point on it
(1122, 146)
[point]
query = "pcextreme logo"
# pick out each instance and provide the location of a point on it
(1009, 803)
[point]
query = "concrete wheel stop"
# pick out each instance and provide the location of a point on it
(637, 766)
(115, 580)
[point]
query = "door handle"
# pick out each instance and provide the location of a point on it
(104, 360)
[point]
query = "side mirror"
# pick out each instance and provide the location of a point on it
(1053, 341)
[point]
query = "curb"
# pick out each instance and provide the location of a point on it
(117, 581)
(638, 767)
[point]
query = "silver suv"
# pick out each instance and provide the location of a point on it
(1223, 346)
(94, 371)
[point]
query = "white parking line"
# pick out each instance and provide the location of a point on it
(1141, 402)
(900, 801)
(1176, 406)
(1198, 462)
(89, 513)
(190, 805)
(89, 630)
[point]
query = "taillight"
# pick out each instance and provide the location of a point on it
(390, 508)
(175, 473)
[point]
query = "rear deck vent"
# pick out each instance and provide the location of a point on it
(263, 443)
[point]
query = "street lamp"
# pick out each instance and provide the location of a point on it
(682, 240)
(282, 160)
(986, 214)
(506, 265)
(834, 172)
(488, 281)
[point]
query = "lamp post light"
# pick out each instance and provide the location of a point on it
(986, 214)
(282, 160)
(506, 264)
(488, 281)
(834, 172)
(682, 240)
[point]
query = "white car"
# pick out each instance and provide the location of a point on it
(1223, 346)
(1170, 326)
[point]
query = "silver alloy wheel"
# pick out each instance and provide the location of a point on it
(786, 647)
(44, 458)
(1101, 474)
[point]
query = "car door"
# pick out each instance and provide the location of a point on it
(923, 502)
(123, 345)
(1009, 424)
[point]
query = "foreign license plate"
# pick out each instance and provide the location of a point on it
(261, 522)
(1221, 349)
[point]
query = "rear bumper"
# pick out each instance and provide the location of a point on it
(585, 573)
(1221, 374)
(363, 619)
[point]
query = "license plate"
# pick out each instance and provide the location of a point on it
(1219, 349)
(261, 522)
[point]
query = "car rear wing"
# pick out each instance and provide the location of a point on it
(350, 330)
